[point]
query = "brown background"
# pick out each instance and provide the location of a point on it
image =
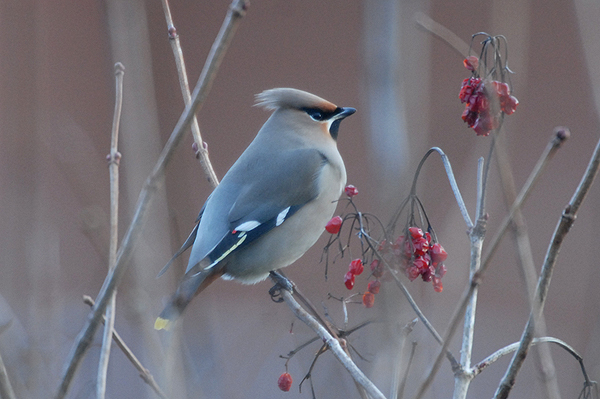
(56, 103)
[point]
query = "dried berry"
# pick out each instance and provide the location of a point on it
(376, 268)
(349, 280)
(415, 232)
(412, 272)
(284, 382)
(368, 299)
(478, 113)
(356, 267)
(420, 245)
(437, 284)
(334, 225)
(440, 270)
(471, 63)
(373, 286)
(438, 254)
(351, 191)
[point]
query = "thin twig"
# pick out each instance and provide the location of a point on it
(333, 344)
(6, 389)
(562, 229)
(113, 167)
(451, 179)
(401, 367)
(559, 137)
(415, 307)
(413, 350)
(144, 373)
(202, 153)
(236, 11)
(482, 365)
(445, 34)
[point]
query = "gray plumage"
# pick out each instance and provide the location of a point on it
(274, 202)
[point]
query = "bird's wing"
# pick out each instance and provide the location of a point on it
(188, 242)
(267, 199)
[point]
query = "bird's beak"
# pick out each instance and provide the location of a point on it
(345, 112)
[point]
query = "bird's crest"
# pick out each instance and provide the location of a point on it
(292, 98)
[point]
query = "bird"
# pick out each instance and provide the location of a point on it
(273, 203)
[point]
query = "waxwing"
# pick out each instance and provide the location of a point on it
(274, 202)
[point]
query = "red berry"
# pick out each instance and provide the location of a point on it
(465, 91)
(415, 232)
(469, 117)
(468, 90)
(483, 103)
(374, 286)
(368, 299)
(440, 270)
(401, 248)
(412, 272)
(349, 280)
(437, 284)
(471, 63)
(438, 254)
(427, 273)
(284, 382)
(351, 191)
(421, 263)
(356, 267)
(334, 225)
(509, 106)
(420, 245)
(485, 123)
(376, 268)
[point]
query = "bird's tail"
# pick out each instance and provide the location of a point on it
(191, 285)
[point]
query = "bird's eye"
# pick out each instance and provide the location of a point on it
(315, 114)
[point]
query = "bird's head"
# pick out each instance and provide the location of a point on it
(304, 109)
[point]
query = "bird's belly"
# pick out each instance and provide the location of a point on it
(284, 244)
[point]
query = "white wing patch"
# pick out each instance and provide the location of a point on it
(281, 216)
(247, 226)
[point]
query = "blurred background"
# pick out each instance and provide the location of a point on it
(56, 104)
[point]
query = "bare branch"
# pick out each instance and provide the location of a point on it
(144, 373)
(544, 360)
(236, 11)
(482, 365)
(202, 153)
(564, 225)
(113, 168)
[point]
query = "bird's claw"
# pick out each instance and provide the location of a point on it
(281, 283)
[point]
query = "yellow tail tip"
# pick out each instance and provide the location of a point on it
(161, 324)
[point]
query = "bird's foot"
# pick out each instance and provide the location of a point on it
(281, 283)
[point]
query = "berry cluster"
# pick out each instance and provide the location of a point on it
(478, 94)
(421, 257)
(356, 268)
(418, 255)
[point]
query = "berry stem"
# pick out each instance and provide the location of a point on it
(451, 179)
